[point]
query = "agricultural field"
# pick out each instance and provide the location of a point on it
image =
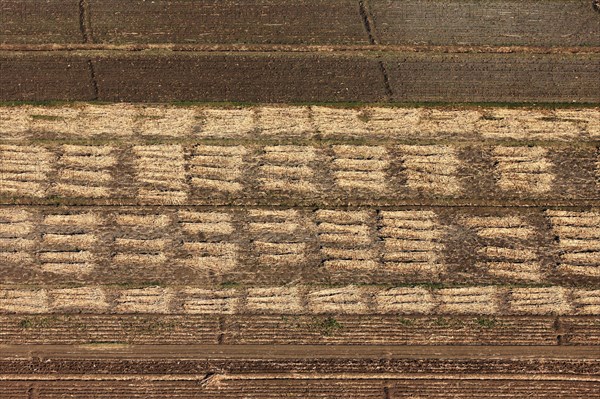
(305, 51)
(383, 251)
(307, 199)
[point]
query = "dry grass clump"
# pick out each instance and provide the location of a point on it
(280, 253)
(348, 299)
(283, 300)
(394, 122)
(339, 122)
(278, 236)
(210, 223)
(206, 301)
(84, 298)
(165, 121)
(524, 169)
(285, 121)
(84, 219)
(269, 221)
(513, 260)
(84, 171)
(360, 167)
(545, 300)
(287, 168)
(144, 300)
(434, 122)
(412, 242)
(140, 259)
(346, 241)
(153, 221)
(14, 300)
(24, 170)
(217, 167)
(431, 168)
(343, 217)
(224, 123)
(77, 240)
(211, 256)
(161, 170)
(579, 235)
(409, 300)
(468, 300)
(587, 301)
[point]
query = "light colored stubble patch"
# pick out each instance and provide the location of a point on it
(287, 169)
(160, 171)
(431, 169)
(217, 168)
(578, 235)
(227, 123)
(24, 170)
(360, 168)
(346, 240)
(412, 243)
(506, 250)
(523, 169)
(280, 300)
(85, 171)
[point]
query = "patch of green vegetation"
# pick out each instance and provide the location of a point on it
(405, 322)
(26, 323)
(327, 326)
(486, 322)
(37, 322)
(448, 322)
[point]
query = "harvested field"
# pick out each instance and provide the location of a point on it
(311, 199)
(141, 156)
(84, 122)
(253, 245)
(368, 229)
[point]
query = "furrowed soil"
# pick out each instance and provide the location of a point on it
(278, 77)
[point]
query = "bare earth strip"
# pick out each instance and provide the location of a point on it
(31, 22)
(500, 22)
(153, 76)
(299, 388)
(530, 23)
(262, 21)
(331, 361)
(321, 371)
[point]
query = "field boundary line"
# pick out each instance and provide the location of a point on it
(307, 48)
